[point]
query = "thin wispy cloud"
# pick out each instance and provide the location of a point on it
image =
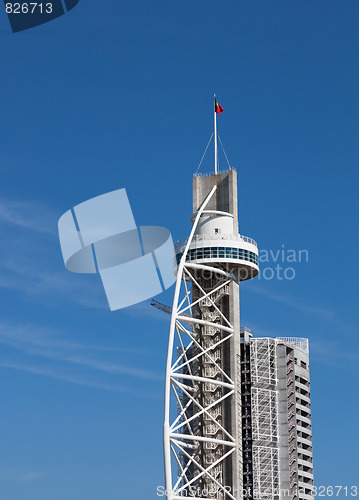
(79, 380)
(31, 260)
(38, 281)
(31, 475)
(333, 349)
(293, 302)
(29, 336)
(333, 320)
(33, 342)
(108, 367)
(28, 215)
(21, 475)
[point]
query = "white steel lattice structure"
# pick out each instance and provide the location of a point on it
(264, 414)
(202, 439)
(264, 401)
(263, 361)
(265, 472)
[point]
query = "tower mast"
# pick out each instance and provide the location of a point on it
(215, 137)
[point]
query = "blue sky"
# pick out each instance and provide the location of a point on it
(119, 94)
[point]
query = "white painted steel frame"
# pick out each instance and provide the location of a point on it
(179, 435)
(265, 473)
(264, 403)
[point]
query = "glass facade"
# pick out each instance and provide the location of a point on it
(219, 253)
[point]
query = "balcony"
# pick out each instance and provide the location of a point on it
(217, 237)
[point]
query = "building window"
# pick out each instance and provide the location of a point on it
(216, 230)
(219, 253)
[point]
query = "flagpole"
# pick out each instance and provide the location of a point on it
(215, 136)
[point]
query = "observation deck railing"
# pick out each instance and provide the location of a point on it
(217, 237)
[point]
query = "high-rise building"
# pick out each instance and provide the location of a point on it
(276, 418)
(237, 408)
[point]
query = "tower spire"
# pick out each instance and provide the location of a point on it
(215, 136)
(217, 109)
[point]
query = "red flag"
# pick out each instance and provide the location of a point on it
(217, 107)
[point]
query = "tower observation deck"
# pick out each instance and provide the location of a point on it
(216, 240)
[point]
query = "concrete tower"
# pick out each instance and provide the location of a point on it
(203, 366)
